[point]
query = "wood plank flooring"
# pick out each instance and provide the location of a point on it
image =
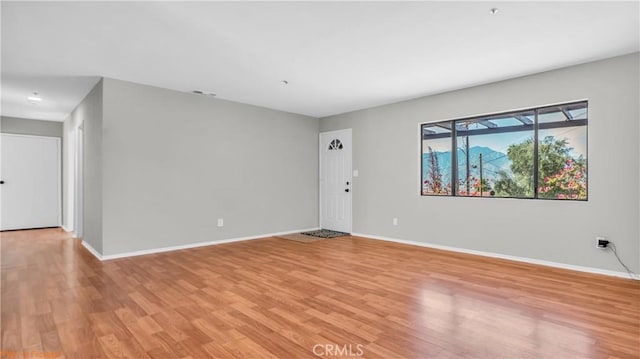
(274, 298)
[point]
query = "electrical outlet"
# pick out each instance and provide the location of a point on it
(601, 242)
(220, 222)
(395, 221)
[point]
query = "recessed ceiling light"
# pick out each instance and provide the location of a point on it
(34, 99)
(285, 82)
(493, 11)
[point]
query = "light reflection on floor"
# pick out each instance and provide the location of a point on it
(479, 325)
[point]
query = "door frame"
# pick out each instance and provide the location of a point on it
(349, 131)
(58, 167)
(78, 185)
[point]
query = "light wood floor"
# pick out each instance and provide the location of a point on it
(278, 298)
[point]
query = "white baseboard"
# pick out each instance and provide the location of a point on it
(187, 246)
(64, 228)
(503, 256)
(92, 250)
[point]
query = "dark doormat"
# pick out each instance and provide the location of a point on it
(299, 237)
(325, 233)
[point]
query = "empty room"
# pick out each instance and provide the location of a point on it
(438, 179)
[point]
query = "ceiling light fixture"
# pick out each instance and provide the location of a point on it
(34, 99)
(285, 82)
(198, 92)
(493, 11)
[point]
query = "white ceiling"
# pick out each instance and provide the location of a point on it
(337, 56)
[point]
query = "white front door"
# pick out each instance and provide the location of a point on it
(30, 177)
(335, 180)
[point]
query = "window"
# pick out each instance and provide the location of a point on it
(537, 153)
(335, 145)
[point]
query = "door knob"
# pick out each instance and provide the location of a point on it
(1, 182)
(346, 190)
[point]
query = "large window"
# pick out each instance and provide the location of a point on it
(536, 153)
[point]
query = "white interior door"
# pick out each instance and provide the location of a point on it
(335, 180)
(30, 189)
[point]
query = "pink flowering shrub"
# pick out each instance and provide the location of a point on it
(436, 187)
(569, 183)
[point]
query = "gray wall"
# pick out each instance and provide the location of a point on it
(174, 162)
(387, 155)
(23, 126)
(89, 114)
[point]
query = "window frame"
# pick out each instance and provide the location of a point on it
(535, 126)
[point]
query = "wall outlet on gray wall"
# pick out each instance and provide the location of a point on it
(601, 242)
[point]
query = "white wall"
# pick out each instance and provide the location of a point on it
(24, 126)
(387, 154)
(174, 162)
